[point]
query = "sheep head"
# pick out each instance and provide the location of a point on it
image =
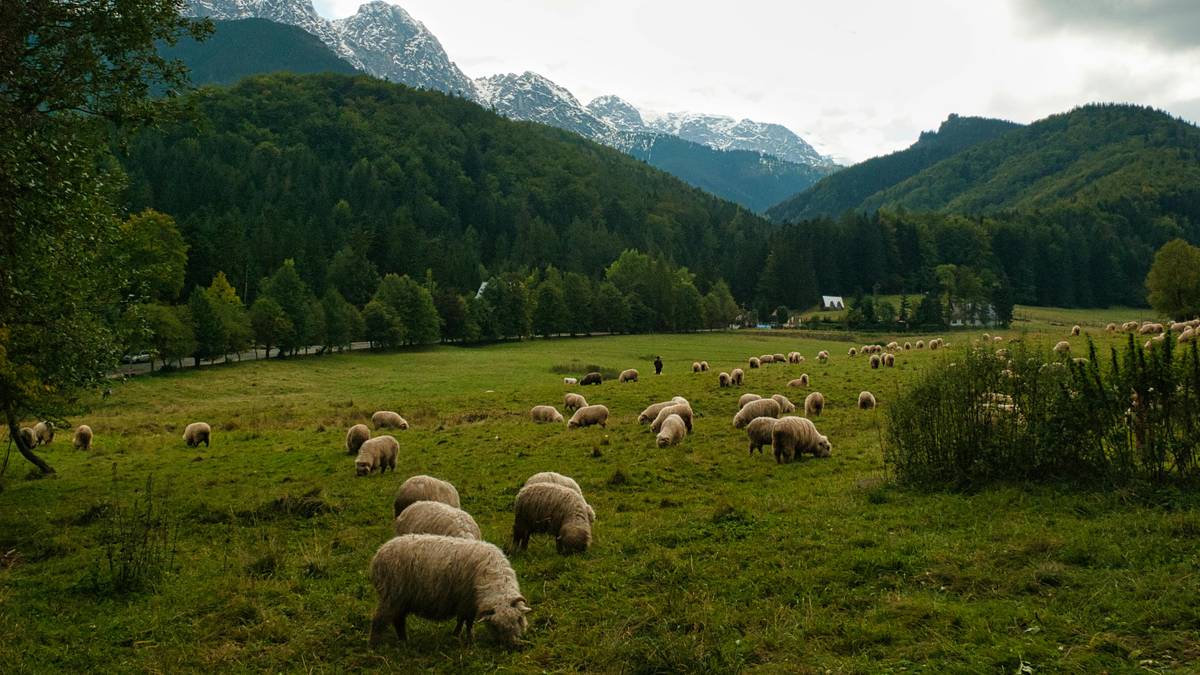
(507, 619)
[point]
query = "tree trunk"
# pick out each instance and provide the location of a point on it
(14, 432)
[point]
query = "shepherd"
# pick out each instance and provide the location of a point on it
(658, 365)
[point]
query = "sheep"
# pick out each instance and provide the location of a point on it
(570, 380)
(647, 416)
(1178, 327)
(766, 407)
(822, 356)
(907, 346)
(552, 509)
(683, 410)
(766, 358)
(441, 578)
(746, 398)
(785, 405)
(753, 362)
(1062, 348)
(574, 402)
(429, 517)
(1000, 338)
(921, 344)
(866, 400)
(630, 375)
(814, 403)
(424, 488)
(704, 366)
(759, 432)
(196, 433)
(875, 361)
(29, 437)
(355, 437)
(377, 453)
(589, 415)
(936, 343)
(893, 345)
(695, 366)
(545, 414)
(793, 357)
(724, 380)
(852, 352)
(386, 419)
(83, 437)
(559, 479)
(779, 358)
(1188, 335)
(1075, 330)
(1149, 328)
(671, 432)
(799, 382)
(44, 431)
(1130, 326)
(889, 360)
(591, 378)
(737, 376)
(792, 436)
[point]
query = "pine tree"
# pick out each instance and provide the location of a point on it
(287, 289)
(235, 322)
(412, 304)
(206, 326)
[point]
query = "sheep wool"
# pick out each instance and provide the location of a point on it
(355, 437)
(559, 479)
(683, 410)
(196, 433)
(386, 419)
(766, 358)
(779, 358)
(647, 416)
(866, 400)
(428, 517)
(378, 453)
(920, 344)
(44, 431)
(546, 508)
(822, 356)
(29, 437)
(814, 403)
(738, 376)
(753, 362)
(785, 405)
(796, 435)
(852, 352)
(724, 380)
(671, 432)
(83, 437)
(766, 407)
(574, 402)
(695, 366)
(746, 398)
(570, 380)
(907, 346)
(1075, 330)
(704, 366)
(1063, 347)
(545, 414)
(875, 361)
(630, 375)
(591, 378)
(442, 578)
(759, 432)
(799, 382)
(889, 360)
(588, 416)
(424, 488)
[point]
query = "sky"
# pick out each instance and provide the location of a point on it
(856, 78)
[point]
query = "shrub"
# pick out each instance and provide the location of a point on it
(138, 538)
(978, 418)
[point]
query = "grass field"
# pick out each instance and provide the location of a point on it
(704, 558)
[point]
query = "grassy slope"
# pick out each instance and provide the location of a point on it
(705, 559)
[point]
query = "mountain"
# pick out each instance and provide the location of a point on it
(379, 39)
(851, 187)
(533, 98)
(286, 166)
(726, 133)
(252, 46)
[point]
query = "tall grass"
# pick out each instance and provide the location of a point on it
(1023, 413)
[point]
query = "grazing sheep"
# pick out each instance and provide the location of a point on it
(683, 410)
(574, 402)
(1178, 327)
(753, 362)
(893, 345)
(1188, 334)
(759, 432)
(793, 357)
(83, 437)
(1075, 330)
(889, 360)
(1063, 347)
(785, 405)
(704, 366)
(630, 375)
(386, 419)
(429, 517)
(44, 431)
(852, 352)
(724, 380)
(921, 344)
(799, 382)
(559, 479)
(822, 356)
(866, 400)
(29, 437)
(355, 437)
(738, 375)
(814, 403)
(1130, 326)
(589, 415)
(196, 433)
(377, 453)
(907, 346)
(766, 407)
(766, 358)
(570, 380)
(793, 436)
(779, 358)
(1149, 328)
(671, 432)
(875, 361)
(552, 509)
(424, 488)
(441, 578)
(647, 416)
(695, 366)
(746, 398)
(545, 414)
(591, 378)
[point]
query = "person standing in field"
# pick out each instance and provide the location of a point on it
(658, 365)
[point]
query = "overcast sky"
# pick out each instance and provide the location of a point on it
(857, 78)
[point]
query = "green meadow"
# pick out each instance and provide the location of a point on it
(704, 558)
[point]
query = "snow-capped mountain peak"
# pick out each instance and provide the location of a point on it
(532, 97)
(618, 112)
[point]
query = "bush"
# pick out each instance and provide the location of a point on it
(1031, 415)
(138, 540)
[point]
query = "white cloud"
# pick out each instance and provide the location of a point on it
(857, 77)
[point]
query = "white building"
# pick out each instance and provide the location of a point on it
(832, 302)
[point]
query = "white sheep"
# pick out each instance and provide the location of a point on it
(672, 431)
(378, 453)
(429, 517)
(545, 414)
(1063, 347)
(746, 398)
(552, 509)
(589, 415)
(196, 433)
(759, 432)
(875, 361)
(559, 479)
(785, 405)
(814, 403)
(355, 437)
(799, 382)
(424, 488)
(792, 436)
(866, 400)
(766, 407)
(753, 362)
(386, 419)
(570, 380)
(45, 432)
(630, 375)
(724, 380)
(683, 410)
(738, 376)
(83, 437)
(574, 401)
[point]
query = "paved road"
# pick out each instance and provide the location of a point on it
(132, 369)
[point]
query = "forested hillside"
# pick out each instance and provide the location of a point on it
(850, 187)
(245, 47)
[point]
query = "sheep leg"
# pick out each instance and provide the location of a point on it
(378, 625)
(400, 621)
(459, 626)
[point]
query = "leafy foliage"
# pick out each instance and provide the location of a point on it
(1174, 280)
